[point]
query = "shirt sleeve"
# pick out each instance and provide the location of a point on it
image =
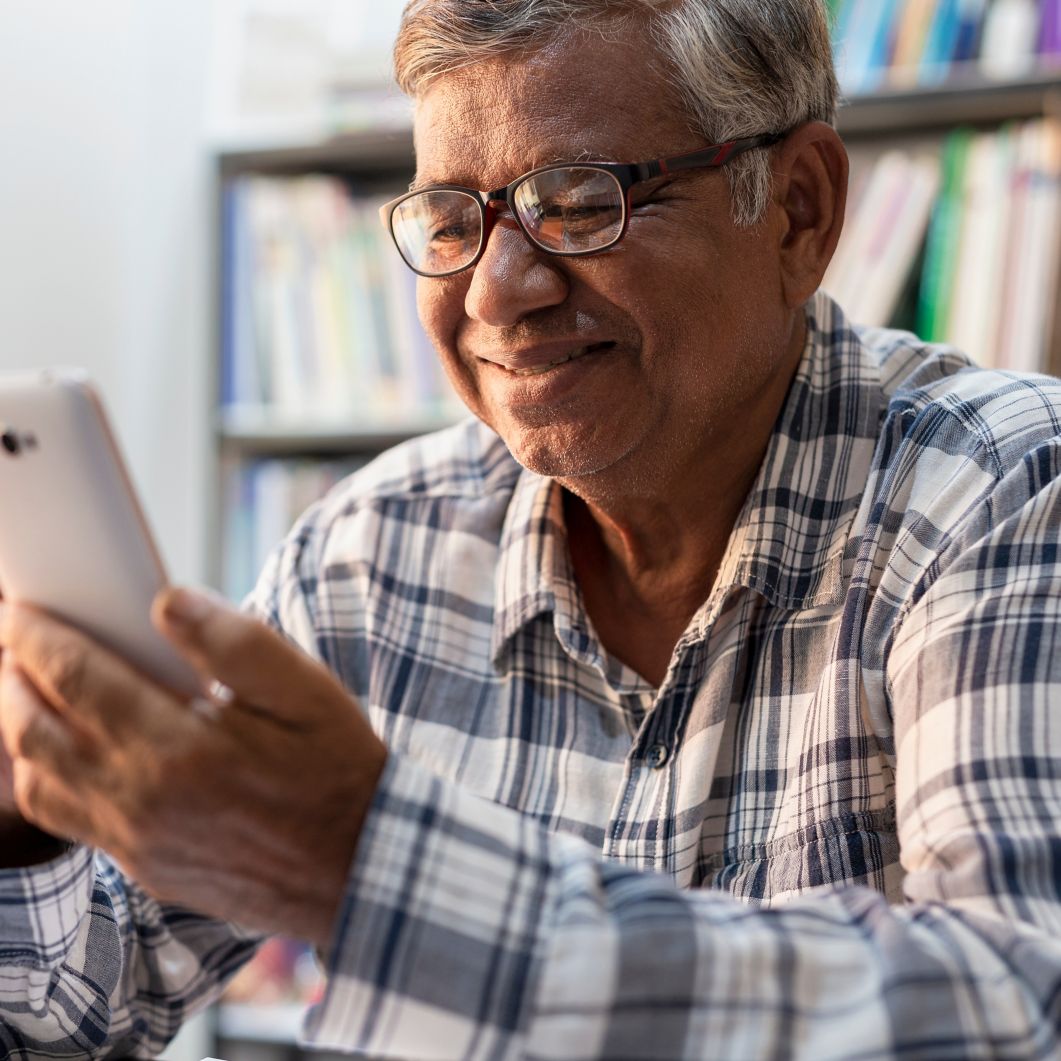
(470, 932)
(92, 967)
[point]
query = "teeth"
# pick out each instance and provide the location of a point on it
(537, 370)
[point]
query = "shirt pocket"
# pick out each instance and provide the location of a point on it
(852, 849)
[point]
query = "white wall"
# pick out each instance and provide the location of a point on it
(106, 230)
(106, 238)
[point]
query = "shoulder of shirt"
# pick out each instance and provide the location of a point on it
(467, 464)
(467, 460)
(937, 387)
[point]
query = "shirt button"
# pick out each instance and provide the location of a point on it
(657, 755)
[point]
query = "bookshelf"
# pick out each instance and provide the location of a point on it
(1015, 266)
(966, 98)
(299, 245)
(371, 164)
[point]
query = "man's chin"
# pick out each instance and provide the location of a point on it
(560, 454)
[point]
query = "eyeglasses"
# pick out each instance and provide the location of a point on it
(567, 209)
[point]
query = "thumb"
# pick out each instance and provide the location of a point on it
(253, 660)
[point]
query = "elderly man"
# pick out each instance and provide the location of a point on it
(710, 673)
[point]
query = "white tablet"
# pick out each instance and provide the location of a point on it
(73, 537)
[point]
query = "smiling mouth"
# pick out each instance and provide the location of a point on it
(573, 355)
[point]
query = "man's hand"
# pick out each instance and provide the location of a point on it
(245, 806)
(21, 844)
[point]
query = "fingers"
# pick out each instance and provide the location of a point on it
(252, 659)
(45, 753)
(89, 685)
(32, 729)
(44, 801)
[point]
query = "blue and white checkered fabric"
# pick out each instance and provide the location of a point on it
(831, 833)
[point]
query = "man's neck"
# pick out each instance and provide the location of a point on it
(644, 577)
(645, 566)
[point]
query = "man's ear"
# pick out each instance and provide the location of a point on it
(810, 194)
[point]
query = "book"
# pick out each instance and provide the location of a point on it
(844, 277)
(969, 31)
(862, 48)
(973, 321)
(911, 33)
(940, 43)
(885, 230)
(1030, 294)
(262, 500)
(900, 236)
(1050, 28)
(319, 312)
(941, 251)
(1011, 31)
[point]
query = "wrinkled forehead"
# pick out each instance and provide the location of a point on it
(581, 97)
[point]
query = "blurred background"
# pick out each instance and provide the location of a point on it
(188, 210)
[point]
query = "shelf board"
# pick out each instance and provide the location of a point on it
(967, 97)
(260, 432)
(384, 152)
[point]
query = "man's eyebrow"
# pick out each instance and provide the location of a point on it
(418, 183)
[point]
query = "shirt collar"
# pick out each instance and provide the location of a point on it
(532, 531)
(535, 573)
(790, 539)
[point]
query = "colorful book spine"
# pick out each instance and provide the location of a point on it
(1050, 29)
(911, 33)
(940, 43)
(883, 236)
(970, 30)
(985, 225)
(941, 252)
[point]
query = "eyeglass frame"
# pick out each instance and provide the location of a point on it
(626, 175)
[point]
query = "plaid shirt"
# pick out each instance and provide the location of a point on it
(831, 831)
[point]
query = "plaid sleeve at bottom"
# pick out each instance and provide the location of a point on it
(435, 946)
(470, 932)
(44, 914)
(92, 967)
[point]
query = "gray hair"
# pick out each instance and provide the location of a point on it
(740, 67)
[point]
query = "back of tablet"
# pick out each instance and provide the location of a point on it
(73, 538)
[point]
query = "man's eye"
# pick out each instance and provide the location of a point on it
(454, 231)
(584, 215)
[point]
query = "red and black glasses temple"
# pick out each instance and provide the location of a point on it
(630, 173)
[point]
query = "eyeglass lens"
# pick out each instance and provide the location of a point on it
(438, 231)
(568, 210)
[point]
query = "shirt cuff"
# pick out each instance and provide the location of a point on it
(41, 912)
(434, 953)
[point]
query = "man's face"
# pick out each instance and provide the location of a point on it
(684, 320)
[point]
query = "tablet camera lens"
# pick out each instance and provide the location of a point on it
(9, 440)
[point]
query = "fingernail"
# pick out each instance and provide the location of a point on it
(186, 607)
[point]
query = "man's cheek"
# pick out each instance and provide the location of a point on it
(440, 307)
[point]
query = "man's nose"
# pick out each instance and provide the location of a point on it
(513, 278)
